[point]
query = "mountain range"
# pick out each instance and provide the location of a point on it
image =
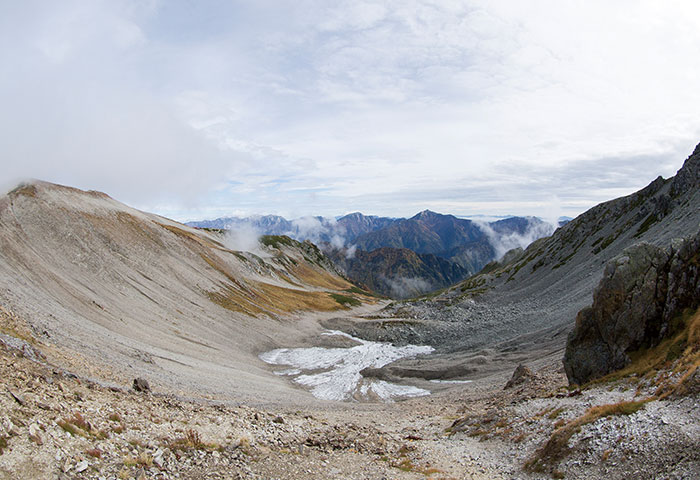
(531, 295)
(409, 256)
(96, 296)
(340, 231)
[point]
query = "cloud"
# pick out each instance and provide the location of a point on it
(319, 230)
(77, 109)
(244, 238)
(350, 252)
(310, 228)
(407, 287)
(502, 242)
(337, 241)
(319, 108)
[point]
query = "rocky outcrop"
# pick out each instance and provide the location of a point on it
(641, 292)
(141, 385)
(688, 177)
(521, 375)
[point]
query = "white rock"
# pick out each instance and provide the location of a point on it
(82, 466)
(34, 429)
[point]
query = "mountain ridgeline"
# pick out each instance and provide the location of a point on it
(398, 272)
(401, 257)
(122, 286)
(532, 296)
(316, 229)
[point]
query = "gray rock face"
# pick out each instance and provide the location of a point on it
(641, 291)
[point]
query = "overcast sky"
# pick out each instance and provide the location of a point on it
(198, 109)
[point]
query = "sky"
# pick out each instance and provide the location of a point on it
(209, 108)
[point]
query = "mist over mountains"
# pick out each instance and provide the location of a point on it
(398, 257)
(340, 231)
(95, 287)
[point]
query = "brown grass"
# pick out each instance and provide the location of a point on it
(556, 448)
(219, 267)
(27, 190)
(319, 278)
(94, 452)
(233, 299)
(290, 300)
(12, 325)
(191, 440)
(126, 228)
(689, 361)
(555, 413)
(141, 460)
(191, 236)
(78, 426)
(405, 464)
(679, 354)
(255, 297)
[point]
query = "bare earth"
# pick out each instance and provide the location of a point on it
(59, 425)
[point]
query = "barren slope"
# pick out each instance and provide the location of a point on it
(120, 293)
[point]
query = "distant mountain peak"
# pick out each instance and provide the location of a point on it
(426, 214)
(688, 177)
(354, 215)
(692, 163)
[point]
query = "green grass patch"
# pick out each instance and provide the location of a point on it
(345, 301)
(275, 241)
(646, 225)
(359, 291)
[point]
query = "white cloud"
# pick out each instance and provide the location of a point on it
(406, 287)
(319, 108)
(244, 238)
(504, 242)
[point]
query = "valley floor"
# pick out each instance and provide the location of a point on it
(54, 424)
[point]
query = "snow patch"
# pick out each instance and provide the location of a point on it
(340, 378)
(451, 381)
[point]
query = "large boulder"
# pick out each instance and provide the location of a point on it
(641, 291)
(521, 375)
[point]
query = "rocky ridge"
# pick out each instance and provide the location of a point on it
(534, 295)
(640, 295)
